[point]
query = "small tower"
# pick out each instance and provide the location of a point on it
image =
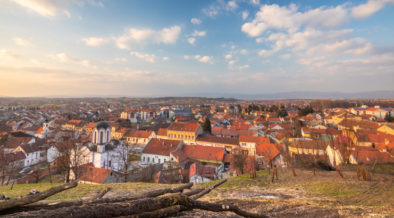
(101, 133)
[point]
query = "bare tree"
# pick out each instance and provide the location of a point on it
(239, 161)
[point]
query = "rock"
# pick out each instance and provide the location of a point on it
(4, 197)
(33, 192)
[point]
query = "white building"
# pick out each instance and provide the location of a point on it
(103, 152)
(158, 151)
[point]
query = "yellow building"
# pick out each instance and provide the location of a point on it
(187, 132)
(388, 129)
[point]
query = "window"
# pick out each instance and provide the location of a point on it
(159, 160)
(148, 159)
(143, 159)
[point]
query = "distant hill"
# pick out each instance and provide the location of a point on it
(305, 95)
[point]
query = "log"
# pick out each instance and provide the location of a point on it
(165, 212)
(154, 193)
(206, 191)
(37, 197)
(155, 206)
(102, 193)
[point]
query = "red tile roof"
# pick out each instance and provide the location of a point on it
(268, 150)
(161, 146)
(94, 174)
(255, 139)
(138, 134)
(208, 153)
(162, 132)
(188, 127)
(218, 140)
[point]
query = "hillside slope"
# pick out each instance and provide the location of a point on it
(325, 194)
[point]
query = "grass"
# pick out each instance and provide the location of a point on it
(82, 190)
(133, 157)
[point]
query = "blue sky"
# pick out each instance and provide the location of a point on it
(157, 48)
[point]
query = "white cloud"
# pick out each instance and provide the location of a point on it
(186, 57)
(259, 40)
(146, 57)
(165, 58)
(194, 36)
(50, 8)
(255, 2)
(232, 5)
(191, 40)
(46, 8)
(243, 67)
(228, 56)
(212, 10)
(245, 15)
(290, 19)
(65, 58)
(95, 41)
(195, 21)
(21, 42)
(4, 53)
(369, 8)
(204, 59)
(243, 51)
(169, 35)
(285, 56)
(231, 62)
(135, 36)
(199, 33)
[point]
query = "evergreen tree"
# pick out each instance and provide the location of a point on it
(207, 126)
(388, 117)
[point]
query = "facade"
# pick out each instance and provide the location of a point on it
(187, 132)
(139, 137)
(158, 151)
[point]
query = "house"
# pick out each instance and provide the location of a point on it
(334, 155)
(118, 133)
(387, 128)
(229, 144)
(89, 128)
(73, 125)
(162, 133)
(368, 155)
(158, 151)
(16, 139)
(94, 175)
(269, 155)
(139, 137)
(201, 173)
(187, 132)
(15, 160)
(308, 147)
(248, 144)
(32, 153)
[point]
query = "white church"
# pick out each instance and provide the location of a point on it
(103, 152)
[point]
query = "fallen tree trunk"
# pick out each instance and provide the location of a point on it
(102, 193)
(206, 191)
(37, 197)
(163, 206)
(154, 193)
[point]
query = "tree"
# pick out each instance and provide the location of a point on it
(207, 126)
(305, 111)
(239, 161)
(388, 117)
(282, 113)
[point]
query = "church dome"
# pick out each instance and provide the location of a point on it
(102, 125)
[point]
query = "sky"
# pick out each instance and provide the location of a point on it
(182, 47)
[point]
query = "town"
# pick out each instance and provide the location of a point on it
(181, 140)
